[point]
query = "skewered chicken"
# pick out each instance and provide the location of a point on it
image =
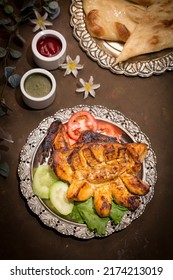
(97, 166)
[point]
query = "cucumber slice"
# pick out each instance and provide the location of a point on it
(44, 177)
(58, 198)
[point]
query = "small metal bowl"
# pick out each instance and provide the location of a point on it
(49, 62)
(35, 94)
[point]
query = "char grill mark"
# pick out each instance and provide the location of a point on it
(122, 196)
(49, 140)
(89, 156)
(89, 137)
(134, 184)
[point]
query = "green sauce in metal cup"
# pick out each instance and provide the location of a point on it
(38, 85)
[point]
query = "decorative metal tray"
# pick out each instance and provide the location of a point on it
(28, 158)
(105, 53)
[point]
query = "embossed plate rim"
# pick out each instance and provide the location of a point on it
(28, 153)
(143, 68)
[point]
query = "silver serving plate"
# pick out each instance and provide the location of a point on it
(29, 159)
(105, 53)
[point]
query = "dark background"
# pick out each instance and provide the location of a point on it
(147, 101)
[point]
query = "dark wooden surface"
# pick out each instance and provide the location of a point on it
(147, 101)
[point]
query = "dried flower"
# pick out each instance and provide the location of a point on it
(88, 87)
(40, 21)
(72, 66)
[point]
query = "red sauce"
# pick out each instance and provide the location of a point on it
(49, 46)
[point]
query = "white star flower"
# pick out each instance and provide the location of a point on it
(88, 87)
(40, 21)
(72, 66)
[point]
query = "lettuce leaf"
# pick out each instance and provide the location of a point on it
(117, 213)
(90, 217)
(75, 215)
(84, 212)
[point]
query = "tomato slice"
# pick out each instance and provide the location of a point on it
(109, 129)
(80, 122)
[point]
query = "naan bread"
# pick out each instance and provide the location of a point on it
(112, 20)
(144, 2)
(153, 33)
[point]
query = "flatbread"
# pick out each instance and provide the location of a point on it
(113, 20)
(144, 2)
(153, 33)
